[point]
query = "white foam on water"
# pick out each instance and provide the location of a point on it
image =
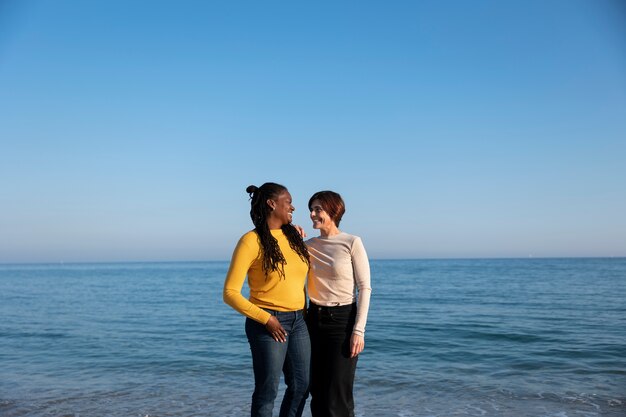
(480, 410)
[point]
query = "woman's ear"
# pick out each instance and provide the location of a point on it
(271, 203)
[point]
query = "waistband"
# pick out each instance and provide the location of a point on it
(346, 307)
(279, 313)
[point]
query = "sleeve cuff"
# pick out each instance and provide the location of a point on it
(358, 332)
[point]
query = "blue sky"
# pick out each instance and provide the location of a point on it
(130, 130)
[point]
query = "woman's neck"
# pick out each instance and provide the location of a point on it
(274, 224)
(331, 231)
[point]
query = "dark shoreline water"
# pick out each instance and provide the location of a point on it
(461, 337)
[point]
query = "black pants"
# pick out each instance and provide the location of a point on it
(332, 369)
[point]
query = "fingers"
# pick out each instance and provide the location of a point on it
(277, 331)
(300, 230)
(280, 335)
(357, 344)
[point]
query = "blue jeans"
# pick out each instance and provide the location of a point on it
(271, 358)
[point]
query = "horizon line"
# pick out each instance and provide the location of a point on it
(372, 259)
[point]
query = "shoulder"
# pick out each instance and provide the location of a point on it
(355, 243)
(250, 239)
(347, 237)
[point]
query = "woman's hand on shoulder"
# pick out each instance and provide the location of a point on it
(357, 343)
(300, 230)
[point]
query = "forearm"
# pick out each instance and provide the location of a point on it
(362, 305)
(237, 301)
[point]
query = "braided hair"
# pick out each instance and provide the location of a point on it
(273, 259)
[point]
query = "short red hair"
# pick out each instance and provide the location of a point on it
(332, 203)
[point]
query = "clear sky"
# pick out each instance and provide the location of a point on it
(129, 130)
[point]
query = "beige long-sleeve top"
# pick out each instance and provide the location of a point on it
(340, 274)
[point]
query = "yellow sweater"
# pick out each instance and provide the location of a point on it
(273, 292)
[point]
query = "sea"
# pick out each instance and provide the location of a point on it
(445, 337)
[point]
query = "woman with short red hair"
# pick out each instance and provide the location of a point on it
(339, 296)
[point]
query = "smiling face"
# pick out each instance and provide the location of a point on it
(320, 218)
(281, 208)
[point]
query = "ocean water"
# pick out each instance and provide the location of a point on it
(501, 337)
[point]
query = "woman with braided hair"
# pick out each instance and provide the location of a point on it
(276, 261)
